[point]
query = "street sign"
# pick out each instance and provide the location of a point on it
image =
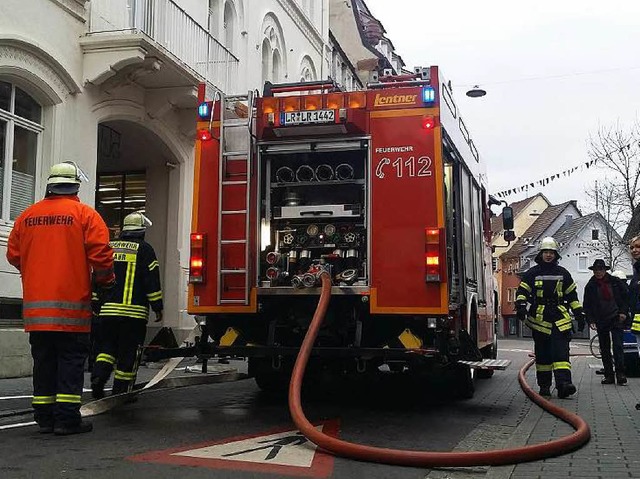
(285, 452)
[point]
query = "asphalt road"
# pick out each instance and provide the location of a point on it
(239, 432)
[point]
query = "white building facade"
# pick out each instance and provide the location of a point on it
(112, 85)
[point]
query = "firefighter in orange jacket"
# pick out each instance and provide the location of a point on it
(55, 244)
(124, 316)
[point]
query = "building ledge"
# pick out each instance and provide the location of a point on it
(75, 8)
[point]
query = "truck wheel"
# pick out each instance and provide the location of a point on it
(463, 382)
(272, 383)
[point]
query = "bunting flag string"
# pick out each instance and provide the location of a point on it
(545, 181)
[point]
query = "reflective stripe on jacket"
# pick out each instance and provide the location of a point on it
(55, 244)
(137, 280)
(551, 291)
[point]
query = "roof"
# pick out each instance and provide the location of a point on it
(538, 228)
(518, 207)
(569, 231)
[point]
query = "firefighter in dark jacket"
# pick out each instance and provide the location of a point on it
(56, 244)
(551, 292)
(606, 305)
(124, 317)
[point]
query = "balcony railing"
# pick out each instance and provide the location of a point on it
(173, 30)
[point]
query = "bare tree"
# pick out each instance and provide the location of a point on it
(617, 151)
(609, 245)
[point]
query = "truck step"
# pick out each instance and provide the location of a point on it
(500, 364)
(233, 271)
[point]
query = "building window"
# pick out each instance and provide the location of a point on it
(583, 263)
(511, 295)
(20, 129)
(595, 235)
(118, 195)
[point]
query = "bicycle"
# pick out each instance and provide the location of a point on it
(594, 344)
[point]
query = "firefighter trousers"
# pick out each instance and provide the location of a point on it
(119, 351)
(58, 376)
(552, 357)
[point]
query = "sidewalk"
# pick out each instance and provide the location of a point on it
(614, 449)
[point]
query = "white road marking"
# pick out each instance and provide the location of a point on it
(289, 448)
(19, 424)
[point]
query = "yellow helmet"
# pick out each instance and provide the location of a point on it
(136, 222)
(66, 173)
(549, 243)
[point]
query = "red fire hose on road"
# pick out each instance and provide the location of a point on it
(400, 457)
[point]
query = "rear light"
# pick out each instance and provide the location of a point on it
(291, 103)
(312, 102)
(269, 105)
(433, 261)
(357, 99)
(428, 122)
(335, 101)
(197, 258)
(204, 135)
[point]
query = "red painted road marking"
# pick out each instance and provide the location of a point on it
(282, 451)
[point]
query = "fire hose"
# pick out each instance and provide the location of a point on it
(401, 457)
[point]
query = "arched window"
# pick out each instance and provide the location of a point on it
(214, 17)
(274, 64)
(266, 60)
(20, 129)
(307, 70)
(229, 26)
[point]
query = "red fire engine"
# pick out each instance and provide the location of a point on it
(382, 188)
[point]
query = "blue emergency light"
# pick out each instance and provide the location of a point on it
(204, 110)
(428, 94)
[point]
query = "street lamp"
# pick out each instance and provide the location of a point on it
(476, 92)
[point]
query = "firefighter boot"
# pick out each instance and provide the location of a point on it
(566, 390)
(80, 428)
(621, 379)
(545, 391)
(97, 388)
(608, 380)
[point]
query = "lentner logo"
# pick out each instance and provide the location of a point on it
(394, 100)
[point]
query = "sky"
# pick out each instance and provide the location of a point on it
(554, 72)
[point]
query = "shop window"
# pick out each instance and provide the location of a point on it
(20, 129)
(119, 194)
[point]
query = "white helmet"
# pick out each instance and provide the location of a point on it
(67, 172)
(136, 222)
(549, 243)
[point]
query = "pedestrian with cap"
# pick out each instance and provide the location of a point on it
(606, 305)
(551, 292)
(57, 244)
(124, 317)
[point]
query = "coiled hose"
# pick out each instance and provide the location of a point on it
(400, 457)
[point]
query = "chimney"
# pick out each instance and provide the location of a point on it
(568, 219)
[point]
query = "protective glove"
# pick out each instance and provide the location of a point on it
(521, 313)
(105, 292)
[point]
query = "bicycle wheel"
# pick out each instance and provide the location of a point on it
(594, 346)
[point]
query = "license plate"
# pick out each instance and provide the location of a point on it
(307, 117)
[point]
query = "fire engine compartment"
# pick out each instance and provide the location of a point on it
(313, 214)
